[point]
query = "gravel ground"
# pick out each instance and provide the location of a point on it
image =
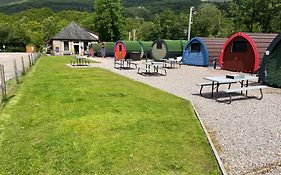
(6, 59)
(247, 133)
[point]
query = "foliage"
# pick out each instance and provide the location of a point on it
(209, 21)
(109, 19)
(255, 15)
(150, 19)
(91, 121)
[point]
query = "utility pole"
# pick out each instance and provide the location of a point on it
(190, 21)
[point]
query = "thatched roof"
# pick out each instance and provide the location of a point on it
(75, 32)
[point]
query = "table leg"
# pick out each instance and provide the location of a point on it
(217, 93)
(247, 84)
(212, 94)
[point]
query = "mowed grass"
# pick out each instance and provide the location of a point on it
(91, 121)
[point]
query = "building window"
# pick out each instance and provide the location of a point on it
(159, 45)
(66, 45)
(239, 46)
(195, 47)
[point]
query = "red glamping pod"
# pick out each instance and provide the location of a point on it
(243, 52)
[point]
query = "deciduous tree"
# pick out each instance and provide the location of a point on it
(109, 19)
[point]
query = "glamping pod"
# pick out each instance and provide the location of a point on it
(123, 50)
(146, 45)
(96, 47)
(243, 52)
(109, 48)
(270, 69)
(162, 49)
(202, 51)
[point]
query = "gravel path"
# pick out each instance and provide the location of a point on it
(247, 133)
(6, 59)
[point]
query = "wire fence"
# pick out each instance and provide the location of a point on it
(13, 67)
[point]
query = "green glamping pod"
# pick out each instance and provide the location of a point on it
(270, 69)
(96, 46)
(163, 49)
(146, 45)
(109, 48)
(127, 50)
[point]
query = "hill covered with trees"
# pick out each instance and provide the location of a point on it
(131, 6)
(37, 26)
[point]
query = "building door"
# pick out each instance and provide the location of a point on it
(76, 49)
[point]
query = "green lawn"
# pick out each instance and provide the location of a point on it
(86, 121)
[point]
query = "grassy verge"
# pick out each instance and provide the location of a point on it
(87, 121)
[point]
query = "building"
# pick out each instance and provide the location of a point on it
(72, 40)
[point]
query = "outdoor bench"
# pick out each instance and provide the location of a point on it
(121, 63)
(80, 61)
(153, 68)
(210, 84)
(231, 91)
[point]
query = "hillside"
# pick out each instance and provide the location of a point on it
(131, 6)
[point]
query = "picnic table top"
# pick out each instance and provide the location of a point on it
(223, 79)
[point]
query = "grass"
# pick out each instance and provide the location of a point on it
(86, 121)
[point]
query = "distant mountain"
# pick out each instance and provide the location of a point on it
(135, 6)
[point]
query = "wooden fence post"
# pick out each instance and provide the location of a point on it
(16, 72)
(29, 60)
(3, 83)
(32, 58)
(23, 68)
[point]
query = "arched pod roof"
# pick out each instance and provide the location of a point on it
(247, 60)
(272, 49)
(168, 49)
(201, 50)
(130, 46)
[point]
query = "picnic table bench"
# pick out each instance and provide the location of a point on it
(124, 63)
(171, 63)
(231, 91)
(215, 82)
(80, 61)
(153, 68)
(215, 85)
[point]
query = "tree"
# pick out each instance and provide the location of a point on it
(145, 31)
(109, 19)
(255, 15)
(49, 28)
(209, 21)
(132, 24)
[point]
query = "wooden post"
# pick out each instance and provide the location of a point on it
(3, 83)
(29, 61)
(32, 58)
(23, 68)
(16, 72)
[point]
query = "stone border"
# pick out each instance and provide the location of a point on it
(210, 142)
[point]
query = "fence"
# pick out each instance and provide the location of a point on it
(12, 69)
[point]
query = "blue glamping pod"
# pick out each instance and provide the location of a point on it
(202, 51)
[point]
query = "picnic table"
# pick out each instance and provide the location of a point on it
(171, 63)
(219, 80)
(80, 61)
(124, 63)
(153, 68)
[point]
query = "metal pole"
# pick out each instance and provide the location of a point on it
(190, 22)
